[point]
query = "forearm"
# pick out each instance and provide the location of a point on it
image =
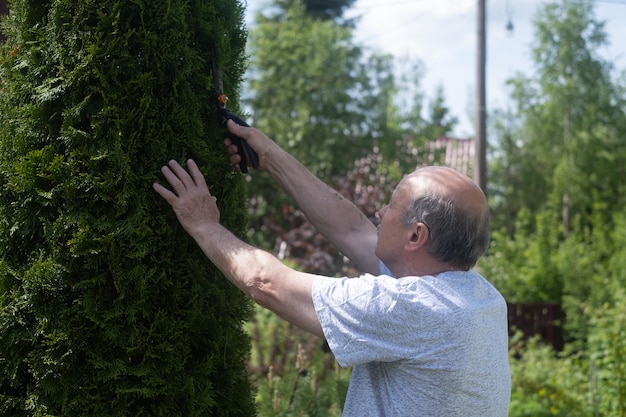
(240, 262)
(261, 276)
(331, 214)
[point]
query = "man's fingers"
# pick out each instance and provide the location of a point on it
(180, 179)
(180, 174)
(164, 192)
(233, 152)
(177, 185)
(241, 131)
(231, 148)
(249, 134)
(196, 175)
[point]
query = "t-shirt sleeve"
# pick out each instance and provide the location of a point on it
(367, 319)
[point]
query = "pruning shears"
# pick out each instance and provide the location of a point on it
(245, 151)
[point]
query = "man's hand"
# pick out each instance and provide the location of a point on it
(191, 200)
(257, 141)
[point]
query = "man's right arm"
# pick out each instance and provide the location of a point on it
(332, 215)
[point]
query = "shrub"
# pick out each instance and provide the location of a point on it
(106, 306)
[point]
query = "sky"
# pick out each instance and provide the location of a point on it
(442, 34)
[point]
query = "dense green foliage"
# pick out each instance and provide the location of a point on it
(584, 383)
(106, 306)
(588, 378)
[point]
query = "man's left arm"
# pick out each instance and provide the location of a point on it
(257, 273)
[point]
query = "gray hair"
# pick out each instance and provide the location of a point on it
(458, 236)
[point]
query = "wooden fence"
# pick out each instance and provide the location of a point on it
(543, 319)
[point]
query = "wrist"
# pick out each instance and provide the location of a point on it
(202, 230)
(277, 161)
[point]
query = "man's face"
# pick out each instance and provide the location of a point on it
(392, 233)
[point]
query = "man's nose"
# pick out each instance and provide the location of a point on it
(382, 211)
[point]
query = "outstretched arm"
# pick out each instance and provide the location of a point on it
(255, 272)
(338, 219)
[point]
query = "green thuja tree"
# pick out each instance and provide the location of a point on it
(107, 307)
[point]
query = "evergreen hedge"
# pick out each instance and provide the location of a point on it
(107, 307)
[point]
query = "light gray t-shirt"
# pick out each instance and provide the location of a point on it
(419, 346)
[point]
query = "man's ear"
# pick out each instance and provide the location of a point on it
(419, 236)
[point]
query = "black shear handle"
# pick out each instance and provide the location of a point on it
(245, 151)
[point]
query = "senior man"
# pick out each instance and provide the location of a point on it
(426, 335)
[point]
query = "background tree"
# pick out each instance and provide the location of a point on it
(562, 144)
(107, 307)
(311, 91)
(559, 169)
(311, 88)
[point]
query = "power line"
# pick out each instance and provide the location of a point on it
(420, 15)
(399, 27)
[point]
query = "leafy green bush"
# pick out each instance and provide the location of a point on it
(547, 383)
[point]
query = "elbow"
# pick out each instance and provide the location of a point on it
(259, 290)
(265, 283)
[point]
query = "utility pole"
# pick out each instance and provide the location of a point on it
(480, 168)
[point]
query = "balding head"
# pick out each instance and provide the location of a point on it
(449, 184)
(455, 211)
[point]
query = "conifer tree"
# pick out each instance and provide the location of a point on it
(107, 307)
